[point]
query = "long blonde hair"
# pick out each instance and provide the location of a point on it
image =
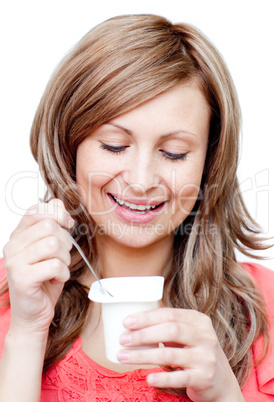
(118, 65)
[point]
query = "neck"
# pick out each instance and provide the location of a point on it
(119, 260)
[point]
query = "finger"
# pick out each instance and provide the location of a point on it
(53, 210)
(181, 357)
(153, 317)
(173, 333)
(171, 379)
(195, 380)
(40, 230)
(46, 248)
(53, 270)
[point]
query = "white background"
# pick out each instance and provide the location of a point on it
(35, 35)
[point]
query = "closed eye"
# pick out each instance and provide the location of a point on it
(174, 157)
(113, 149)
(120, 148)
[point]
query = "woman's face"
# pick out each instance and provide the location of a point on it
(139, 174)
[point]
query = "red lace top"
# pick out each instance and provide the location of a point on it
(78, 378)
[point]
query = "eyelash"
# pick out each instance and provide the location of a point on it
(174, 157)
(167, 155)
(114, 149)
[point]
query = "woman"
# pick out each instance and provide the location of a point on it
(136, 137)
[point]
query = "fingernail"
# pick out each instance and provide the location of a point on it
(125, 339)
(123, 356)
(152, 379)
(129, 322)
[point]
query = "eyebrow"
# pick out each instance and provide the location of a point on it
(129, 132)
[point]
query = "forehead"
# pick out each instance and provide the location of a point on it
(182, 107)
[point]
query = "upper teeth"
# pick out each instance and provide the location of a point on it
(135, 206)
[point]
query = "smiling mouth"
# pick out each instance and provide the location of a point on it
(137, 208)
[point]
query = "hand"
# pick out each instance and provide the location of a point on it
(190, 344)
(37, 259)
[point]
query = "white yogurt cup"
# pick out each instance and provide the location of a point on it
(130, 295)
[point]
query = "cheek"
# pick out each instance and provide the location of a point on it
(187, 190)
(91, 184)
(187, 198)
(90, 187)
(90, 172)
(94, 185)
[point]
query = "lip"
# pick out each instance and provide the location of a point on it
(135, 217)
(138, 201)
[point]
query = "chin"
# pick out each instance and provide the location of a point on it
(134, 241)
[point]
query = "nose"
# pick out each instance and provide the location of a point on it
(142, 174)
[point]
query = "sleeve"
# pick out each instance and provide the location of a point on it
(3, 276)
(263, 374)
(5, 312)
